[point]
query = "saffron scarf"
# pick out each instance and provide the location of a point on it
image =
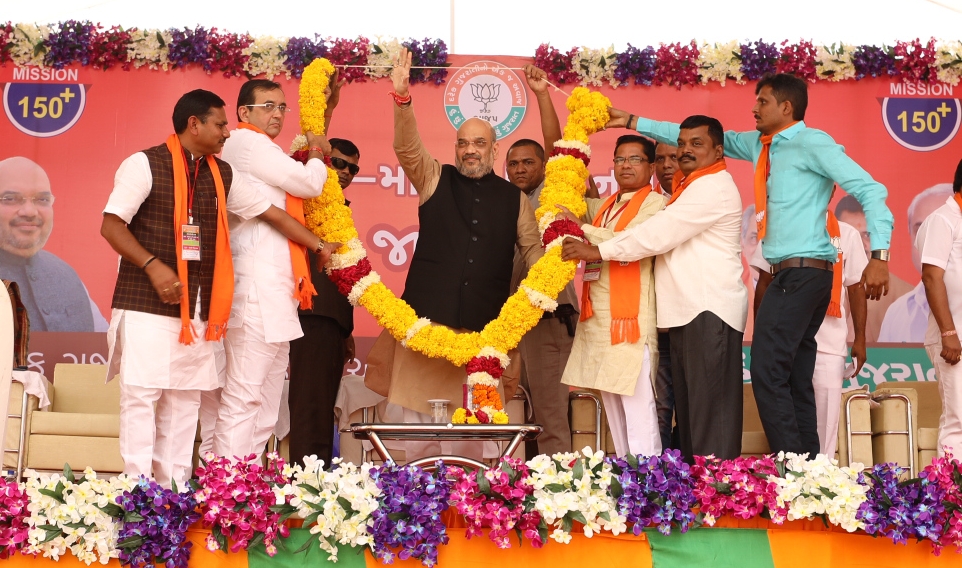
(223, 289)
(958, 198)
(303, 288)
(835, 306)
(679, 182)
(625, 278)
(762, 169)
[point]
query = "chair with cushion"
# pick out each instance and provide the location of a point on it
(901, 402)
(82, 425)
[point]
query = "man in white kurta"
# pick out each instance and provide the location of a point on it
(701, 299)
(264, 311)
(831, 336)
(156, 369)
(621, 370)
(939, 243)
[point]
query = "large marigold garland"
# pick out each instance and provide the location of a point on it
(484, 353)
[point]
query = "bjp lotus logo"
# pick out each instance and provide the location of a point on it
(485, 93)
(487, 90)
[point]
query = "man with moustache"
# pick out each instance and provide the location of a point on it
(796, 168)
(700, 296)
(51, 291)
(167, 218)
(318, 358)
(613, 346)
(460, 275)
(666, 164)
(271, 274)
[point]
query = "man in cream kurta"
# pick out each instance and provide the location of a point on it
(702, 300)
(264, 311)
(622, 371)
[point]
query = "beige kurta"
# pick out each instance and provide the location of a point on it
(594, 362)
(409, 378)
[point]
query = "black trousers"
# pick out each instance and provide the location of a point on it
(317, 364)
(783, 357)
(706, 372)
(665, 395)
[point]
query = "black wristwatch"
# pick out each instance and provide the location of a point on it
(880, 254)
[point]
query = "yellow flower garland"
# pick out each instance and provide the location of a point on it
(565, 177)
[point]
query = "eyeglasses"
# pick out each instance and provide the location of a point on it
(271, 107)
(479, 143)
(18, 199)
(341, 163)
(633, 160)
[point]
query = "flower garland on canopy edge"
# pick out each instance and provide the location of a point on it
(84, 43)
(484, 353)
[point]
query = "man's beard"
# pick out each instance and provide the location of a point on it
(11, 242)
(474, 172)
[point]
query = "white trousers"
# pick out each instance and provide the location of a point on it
(827, 382)
(469, 449)
(633, 420)
(158, 441)
(950, 390)
(251, 397)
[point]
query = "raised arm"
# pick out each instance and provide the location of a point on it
(550, 124)
(422, 169)
(738, 145)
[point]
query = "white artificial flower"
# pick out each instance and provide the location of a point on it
(834, 62)
(596, 66)
(150, 48)
(266, 56)
(719, 61)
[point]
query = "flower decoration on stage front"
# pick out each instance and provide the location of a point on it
(336, 503)
(743, 488)
(13, 517)
(154, 522)
(408, 515)
(500, 500)
(654, 491)
(899, 508)
(571, 487)
(947, 473)
(819, 488)
(70, 513)
(238, 502)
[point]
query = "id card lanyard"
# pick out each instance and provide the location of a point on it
(190, 233)
(593, 269)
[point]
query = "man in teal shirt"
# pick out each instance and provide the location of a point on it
(794, 188)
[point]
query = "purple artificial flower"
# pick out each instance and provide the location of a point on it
(409, 512)
(155, 522)
(654, 490)
(428, 53)
(301, 51)
(899, 509)
(70, 43)
(635, 64)
(189, 46)
(872, 61)
(758, 59)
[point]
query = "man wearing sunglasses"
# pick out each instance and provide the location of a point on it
(271, 274)
(318, 358)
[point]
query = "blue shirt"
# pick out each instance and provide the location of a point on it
(805, 164)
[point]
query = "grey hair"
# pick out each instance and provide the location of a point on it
(935, 190)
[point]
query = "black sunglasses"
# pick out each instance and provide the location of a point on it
(341, 163)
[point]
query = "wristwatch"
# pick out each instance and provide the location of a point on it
(881, 254)
(320, 245)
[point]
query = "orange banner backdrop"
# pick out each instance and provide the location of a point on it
(122, 112)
